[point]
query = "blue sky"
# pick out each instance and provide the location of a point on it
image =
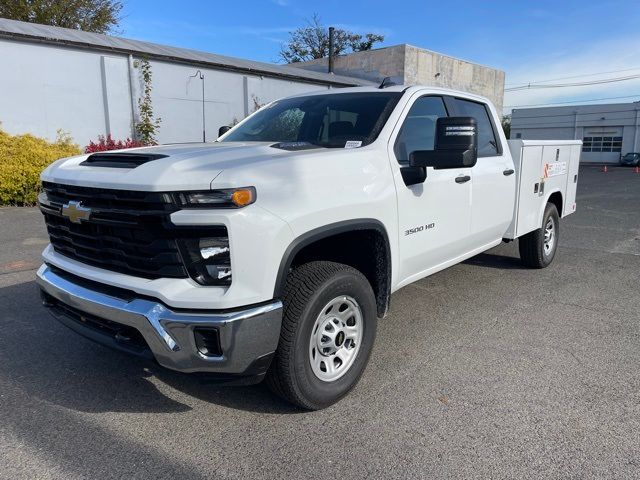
(531, 41)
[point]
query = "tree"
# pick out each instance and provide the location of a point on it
(506, 125)
(98, 16)
(312, 41)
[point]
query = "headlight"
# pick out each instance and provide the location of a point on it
(225, 198)
(208, 259)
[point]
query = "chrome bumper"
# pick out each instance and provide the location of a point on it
(248, 337)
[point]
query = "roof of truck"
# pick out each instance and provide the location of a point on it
(396, 88)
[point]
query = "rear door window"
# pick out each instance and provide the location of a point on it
(487, 143)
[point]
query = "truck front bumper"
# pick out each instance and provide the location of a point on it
(245, 339)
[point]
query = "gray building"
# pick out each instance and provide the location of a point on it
(88, 84)
(416, 66)
(607, 130)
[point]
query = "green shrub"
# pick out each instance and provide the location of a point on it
(22, 159)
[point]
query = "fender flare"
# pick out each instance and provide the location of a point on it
(546, 200)
(330, 230)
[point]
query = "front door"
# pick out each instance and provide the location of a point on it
(434, 217)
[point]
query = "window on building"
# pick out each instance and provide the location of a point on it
(602, 144)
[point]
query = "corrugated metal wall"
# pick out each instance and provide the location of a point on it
(45, 88)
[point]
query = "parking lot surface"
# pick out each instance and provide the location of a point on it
(484, 370)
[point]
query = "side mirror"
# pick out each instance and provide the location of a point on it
(223, 129)
(456, 145)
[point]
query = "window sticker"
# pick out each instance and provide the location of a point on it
(353, 143)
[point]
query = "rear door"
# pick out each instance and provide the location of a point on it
(493, 177)
(433, 216)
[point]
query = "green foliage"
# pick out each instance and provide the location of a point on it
(506, 125)
(147, 126)
(312, 41)
(22, 159)
(98, 16)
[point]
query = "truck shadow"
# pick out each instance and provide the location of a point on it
(45, 360)
(492, 260)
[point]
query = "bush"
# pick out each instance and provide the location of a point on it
(105, 144)
(22, 159)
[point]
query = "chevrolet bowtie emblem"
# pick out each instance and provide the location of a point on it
(75, 212)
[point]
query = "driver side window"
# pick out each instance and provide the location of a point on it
(418, 131)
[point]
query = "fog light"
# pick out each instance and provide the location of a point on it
(208, 252)
(208, 260)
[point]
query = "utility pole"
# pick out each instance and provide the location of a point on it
(331, 48)
(201, 77)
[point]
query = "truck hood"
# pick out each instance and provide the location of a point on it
(183, 167)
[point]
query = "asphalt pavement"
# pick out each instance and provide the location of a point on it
(485, 370)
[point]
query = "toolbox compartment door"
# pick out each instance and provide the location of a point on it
(529, 188)
(572, 180)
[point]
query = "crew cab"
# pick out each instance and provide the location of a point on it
(272, 252)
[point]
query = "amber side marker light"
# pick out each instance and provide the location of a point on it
(243, 197)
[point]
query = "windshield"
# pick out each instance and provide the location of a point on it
(326, 120)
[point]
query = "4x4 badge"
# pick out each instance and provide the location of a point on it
(75, 212)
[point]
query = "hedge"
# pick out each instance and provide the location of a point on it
(22, 159)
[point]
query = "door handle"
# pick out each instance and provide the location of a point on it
(463, 179)
(508, 172)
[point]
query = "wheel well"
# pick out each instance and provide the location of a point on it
(556, 199)
(366, 250)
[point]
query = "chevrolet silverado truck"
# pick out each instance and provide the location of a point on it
(272, 252)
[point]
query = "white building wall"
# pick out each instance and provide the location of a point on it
(45, 88)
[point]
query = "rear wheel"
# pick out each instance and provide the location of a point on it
(538, 248)
(328, 330)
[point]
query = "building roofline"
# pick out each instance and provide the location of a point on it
(17, 30)
(581, 109)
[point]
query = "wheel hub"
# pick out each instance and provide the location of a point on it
(335, 338)
(549, 236)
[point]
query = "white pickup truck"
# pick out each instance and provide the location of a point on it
(272, 252)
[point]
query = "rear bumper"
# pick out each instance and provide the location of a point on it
(247, 337)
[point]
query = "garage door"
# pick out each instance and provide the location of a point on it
(601, 144)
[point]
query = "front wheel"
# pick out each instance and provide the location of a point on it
(538, 248)
(328, 330)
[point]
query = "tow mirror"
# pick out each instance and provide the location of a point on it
(456, 145)
(223, 129)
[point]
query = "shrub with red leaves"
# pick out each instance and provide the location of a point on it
(107, 143)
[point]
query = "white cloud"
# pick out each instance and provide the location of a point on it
(582, 62)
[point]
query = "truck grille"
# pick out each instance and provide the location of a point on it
(127, 231)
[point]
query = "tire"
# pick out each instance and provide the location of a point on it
(316, 294)
(535, 252)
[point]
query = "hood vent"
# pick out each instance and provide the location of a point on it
(121, 160)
